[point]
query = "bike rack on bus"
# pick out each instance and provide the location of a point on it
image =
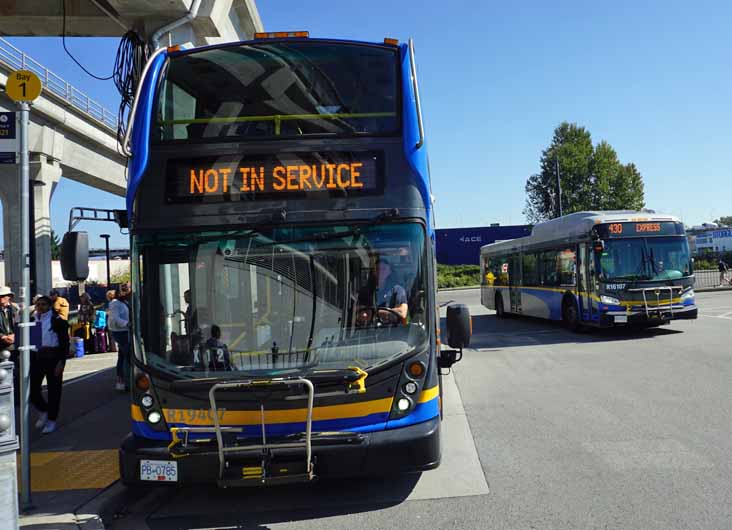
(657, 291)
(264, 447)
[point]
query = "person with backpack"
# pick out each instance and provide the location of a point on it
(723, 268)
(101, 343)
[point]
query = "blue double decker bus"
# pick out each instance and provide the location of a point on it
(285, 323)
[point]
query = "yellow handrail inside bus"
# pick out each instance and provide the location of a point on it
(277, 118)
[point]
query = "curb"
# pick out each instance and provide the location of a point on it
(465, 288)
(712, 289)
(89, 515)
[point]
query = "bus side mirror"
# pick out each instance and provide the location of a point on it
(459, 330)
(75, 256)
(459, 326)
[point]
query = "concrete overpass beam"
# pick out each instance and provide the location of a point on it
(10, 196)
(45, 174)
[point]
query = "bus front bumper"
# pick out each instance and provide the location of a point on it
(652, 317)
(408, 449)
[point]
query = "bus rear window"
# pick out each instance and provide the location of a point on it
(279, 89)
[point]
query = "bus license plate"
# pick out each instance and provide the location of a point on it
(621, 319)
(159, 470)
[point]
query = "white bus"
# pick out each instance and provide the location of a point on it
(593, 269)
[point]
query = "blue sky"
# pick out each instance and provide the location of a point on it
(653, 80)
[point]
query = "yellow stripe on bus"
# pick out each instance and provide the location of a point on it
(651, 303)
(253, 417)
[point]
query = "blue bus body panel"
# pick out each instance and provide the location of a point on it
(141, 131)
(417, 158)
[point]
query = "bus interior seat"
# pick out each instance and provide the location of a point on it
(182, 350)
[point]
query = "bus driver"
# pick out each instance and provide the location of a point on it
(389, 297)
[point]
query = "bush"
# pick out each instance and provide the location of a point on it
(457, 276)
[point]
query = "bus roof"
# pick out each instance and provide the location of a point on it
(574, 225)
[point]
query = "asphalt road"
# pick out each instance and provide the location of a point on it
(546, 429)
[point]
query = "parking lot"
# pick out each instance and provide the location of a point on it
(544, 429)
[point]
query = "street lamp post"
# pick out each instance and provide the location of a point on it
(106, 249)
(559, 186)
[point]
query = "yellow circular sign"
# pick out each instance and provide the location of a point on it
(23, 85)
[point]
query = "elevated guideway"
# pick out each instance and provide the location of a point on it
(71, 134)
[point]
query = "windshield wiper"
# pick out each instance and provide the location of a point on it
(353, 377)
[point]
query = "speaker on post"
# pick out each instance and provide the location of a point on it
(75, 256)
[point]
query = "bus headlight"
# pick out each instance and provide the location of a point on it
(688, 294)
(410, 388)
(147, 401)
(154, 417)
(403, 404)
(610, 300)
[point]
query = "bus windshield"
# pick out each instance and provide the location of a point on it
(644, 259)
(282, 300)
(279, 89)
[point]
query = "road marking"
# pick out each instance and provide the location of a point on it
(716, 316)
(73, 470)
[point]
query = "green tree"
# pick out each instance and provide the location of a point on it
(725, 220)
(626, 191)
(55, 246)
(121, 276)
(592, 178)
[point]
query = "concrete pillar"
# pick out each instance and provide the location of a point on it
(45, 175)
(42, 170)
(10, 195)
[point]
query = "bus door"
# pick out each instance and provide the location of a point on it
(514, 282)
(585, 284)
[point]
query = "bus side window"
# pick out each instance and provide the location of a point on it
(549, 268)
(530, 269)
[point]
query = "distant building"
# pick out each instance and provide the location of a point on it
(714, 241)
(461, 246)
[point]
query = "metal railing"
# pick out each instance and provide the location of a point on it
(711, 278)
(15, 59)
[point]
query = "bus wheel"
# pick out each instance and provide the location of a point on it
(570, 316)
(500, 313)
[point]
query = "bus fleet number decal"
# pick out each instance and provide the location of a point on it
(191, 415)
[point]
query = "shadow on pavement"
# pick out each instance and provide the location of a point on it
(207, 506)
(490, 332)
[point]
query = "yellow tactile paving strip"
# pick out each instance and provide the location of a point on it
(73, 470)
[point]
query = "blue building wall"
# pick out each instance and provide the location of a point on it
(461, 246)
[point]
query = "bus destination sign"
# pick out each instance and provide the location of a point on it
(640, 228)
(272, 176)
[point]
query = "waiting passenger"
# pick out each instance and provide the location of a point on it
(219, 357)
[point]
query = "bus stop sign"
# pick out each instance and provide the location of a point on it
(23, 85)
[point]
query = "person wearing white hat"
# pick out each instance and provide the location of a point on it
(7, 318)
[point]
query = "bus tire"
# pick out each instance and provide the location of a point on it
(570, 314)
(500, 312)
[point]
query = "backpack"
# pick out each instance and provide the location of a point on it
(100, 319)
